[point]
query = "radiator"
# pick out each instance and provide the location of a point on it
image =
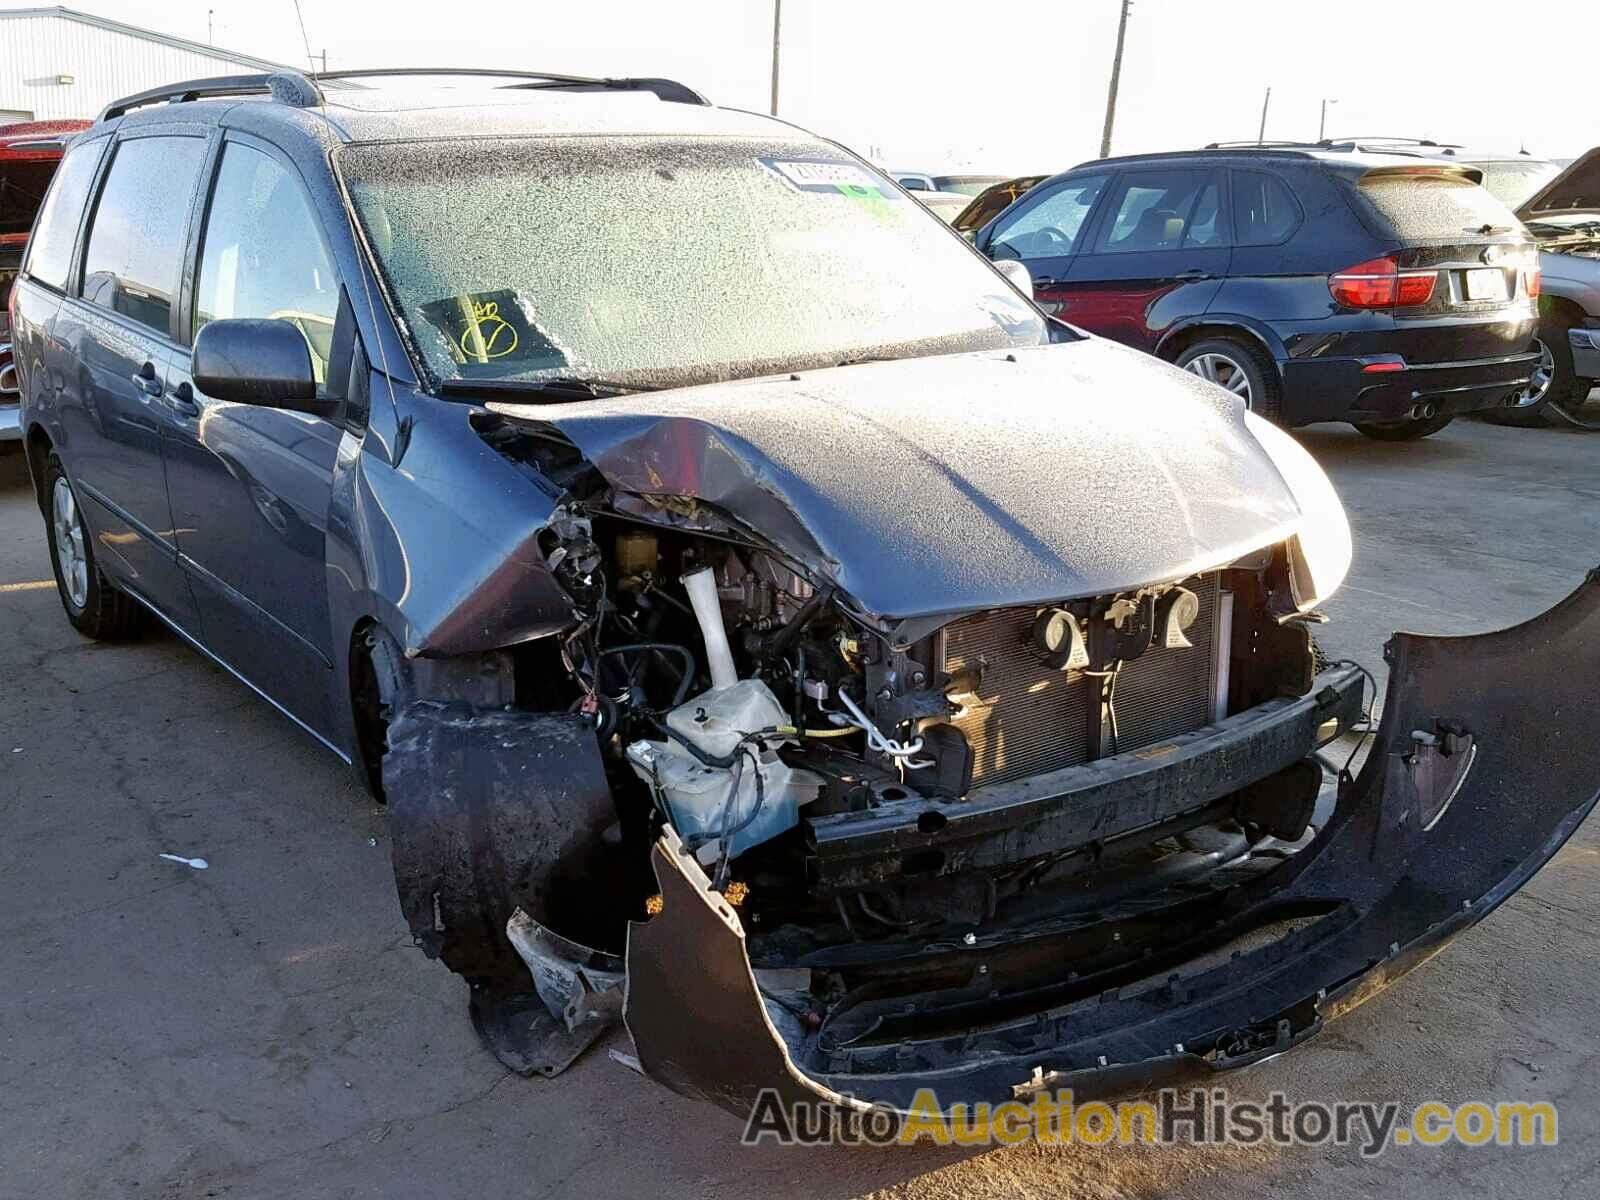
(1027, 719)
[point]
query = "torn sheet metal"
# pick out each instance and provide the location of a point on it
(968, 466)
(453, 543)
(1396, 874)
(579, 987)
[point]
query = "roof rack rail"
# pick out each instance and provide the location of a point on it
(1252, 144)
(665, 89)
(289, 87)
(1396, 141)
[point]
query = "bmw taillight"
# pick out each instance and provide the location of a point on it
(1380, 283)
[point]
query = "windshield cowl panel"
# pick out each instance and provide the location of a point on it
(665, 261)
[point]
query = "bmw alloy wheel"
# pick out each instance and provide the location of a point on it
(1223, 371)
(71, 556)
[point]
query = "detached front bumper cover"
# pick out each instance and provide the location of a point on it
(1485, 764)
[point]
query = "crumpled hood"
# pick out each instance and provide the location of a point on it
(940, 485)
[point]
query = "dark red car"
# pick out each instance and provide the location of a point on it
(29, 152)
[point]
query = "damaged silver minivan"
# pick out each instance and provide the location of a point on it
(768, 630)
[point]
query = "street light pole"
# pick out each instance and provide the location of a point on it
(1322, 125)
(1266, 100)
(1116, 76)
(777, 25)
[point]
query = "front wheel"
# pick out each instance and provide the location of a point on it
(1402, 431)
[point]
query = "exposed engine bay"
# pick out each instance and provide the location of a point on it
(743, 697)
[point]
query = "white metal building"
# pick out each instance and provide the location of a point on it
(57, 63)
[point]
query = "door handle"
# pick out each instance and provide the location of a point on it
(183, 401)
(1046, 281)
(145, 380)
(1195, 273)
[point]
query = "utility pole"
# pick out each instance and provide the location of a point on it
(1116, 76)
(1322, 125)
(777, 26)
(1262, 135)
(210, 39)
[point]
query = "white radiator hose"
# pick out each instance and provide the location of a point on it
(702, 588)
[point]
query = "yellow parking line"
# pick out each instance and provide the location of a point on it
(32, 585)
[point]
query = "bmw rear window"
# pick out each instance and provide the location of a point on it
(1421, 205)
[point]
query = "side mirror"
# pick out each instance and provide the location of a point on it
(1017, 273)
(256, 362)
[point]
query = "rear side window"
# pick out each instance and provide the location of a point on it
(1156, 210)
(1421, 205)
(135, 245)
(1206, 225)
(50, 248)
(1265, 211)
(1050, 227)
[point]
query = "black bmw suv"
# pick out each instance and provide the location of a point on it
(1319, 283)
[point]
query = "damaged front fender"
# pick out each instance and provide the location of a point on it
(1485, 764)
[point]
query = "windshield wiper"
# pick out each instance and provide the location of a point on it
(555, 389)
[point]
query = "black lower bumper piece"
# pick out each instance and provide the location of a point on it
(1485, 764)
(1388, 388)
(1098, 801)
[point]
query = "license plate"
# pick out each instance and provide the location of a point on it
(1486, 283)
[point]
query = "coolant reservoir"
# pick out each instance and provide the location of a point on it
(697, 795)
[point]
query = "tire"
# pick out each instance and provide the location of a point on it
(381, 686)
(96, 608)
(1555, 377)
(1244, 369)
(1402, 431)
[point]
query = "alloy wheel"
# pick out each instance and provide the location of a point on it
(1223, 371)
(71, 556)
(1543, 374)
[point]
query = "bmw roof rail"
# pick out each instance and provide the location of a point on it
(1385, 140)
(289, 87)
(664, 89)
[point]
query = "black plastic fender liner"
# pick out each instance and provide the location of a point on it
(1487, 760)
(487, 808)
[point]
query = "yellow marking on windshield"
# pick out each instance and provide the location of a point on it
(488, 334)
